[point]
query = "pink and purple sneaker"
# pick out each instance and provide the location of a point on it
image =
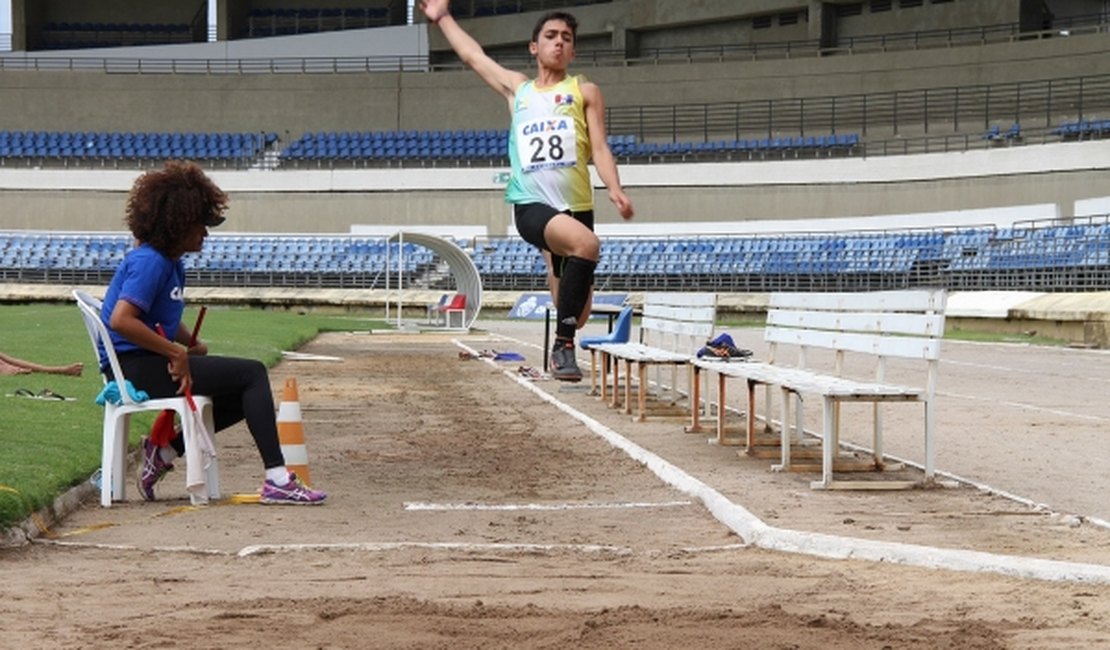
(295, 492)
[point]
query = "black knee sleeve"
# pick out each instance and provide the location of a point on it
(574, 291)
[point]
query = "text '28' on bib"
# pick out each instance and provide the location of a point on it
(546, 143)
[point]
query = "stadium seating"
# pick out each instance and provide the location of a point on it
(276, 260)
(1083, 129)
(490, 147)
(483, 8)
(68, 36)
(263, 21)
(398, 147)
(995, 133)
(100, 145)
(1048, 256)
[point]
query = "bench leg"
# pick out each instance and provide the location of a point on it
(628, 387)
(751, 416)
(768, 404)
(709, 401)
(785, 438)
(721, 408)
(828, 448)
(593, 372)
(877, 434)
(722, 413)
(604, 375)
(930, 449)
(695, 401)
(614, 399)
(641, 394)
(800, 419)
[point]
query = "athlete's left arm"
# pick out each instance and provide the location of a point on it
(602, 157)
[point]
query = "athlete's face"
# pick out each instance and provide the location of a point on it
(195, 238)
(554, 47)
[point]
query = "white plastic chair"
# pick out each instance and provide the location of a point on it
(117, 417)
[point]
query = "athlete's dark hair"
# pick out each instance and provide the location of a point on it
(570, 20)
(166, 205)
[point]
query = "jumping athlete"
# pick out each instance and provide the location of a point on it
(557, 129)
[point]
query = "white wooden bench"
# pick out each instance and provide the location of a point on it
(878, 325)
(672, 328)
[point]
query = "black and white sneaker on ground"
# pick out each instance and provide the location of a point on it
(564, 365)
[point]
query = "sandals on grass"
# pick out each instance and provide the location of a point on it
(45, 394)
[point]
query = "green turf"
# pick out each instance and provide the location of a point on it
(48, 446)
(957, 334)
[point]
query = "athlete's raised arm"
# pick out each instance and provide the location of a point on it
(501, 79)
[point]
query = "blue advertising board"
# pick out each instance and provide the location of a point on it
(534, 306)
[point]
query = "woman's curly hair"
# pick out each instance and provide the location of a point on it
(166, 205)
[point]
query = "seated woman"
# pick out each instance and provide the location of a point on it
(169, 212)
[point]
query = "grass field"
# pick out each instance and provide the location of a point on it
(47, 446)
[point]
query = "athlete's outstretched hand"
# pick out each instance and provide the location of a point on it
(434, 9)
(623, 203)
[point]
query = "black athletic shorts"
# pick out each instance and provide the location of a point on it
(532, 218)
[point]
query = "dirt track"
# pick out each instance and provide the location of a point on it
(466, 511)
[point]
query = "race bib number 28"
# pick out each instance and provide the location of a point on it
(546, 143)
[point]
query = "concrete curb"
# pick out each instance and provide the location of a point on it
(755, 532)
(39, 523)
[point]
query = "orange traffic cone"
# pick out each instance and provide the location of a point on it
(291, 432)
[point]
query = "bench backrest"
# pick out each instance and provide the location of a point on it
(908, 324)
(677, 317)
(905, 324)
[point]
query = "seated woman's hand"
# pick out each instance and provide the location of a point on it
(179, 370)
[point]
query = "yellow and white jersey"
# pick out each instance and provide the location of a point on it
(549, 147)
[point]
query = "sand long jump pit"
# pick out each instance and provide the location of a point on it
(471, 507)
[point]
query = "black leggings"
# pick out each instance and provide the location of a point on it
(239, 388)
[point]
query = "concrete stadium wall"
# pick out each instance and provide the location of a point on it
(621, 24)
(292, 104)
(951, 15)
(637, 25)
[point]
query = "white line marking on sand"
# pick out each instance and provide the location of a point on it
(271, 549)
(539, 506)
(267, 549)
(757, 533)
(188, 550)
(304, 356)
(1028, 407)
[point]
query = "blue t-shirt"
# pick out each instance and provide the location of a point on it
(154, 284)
